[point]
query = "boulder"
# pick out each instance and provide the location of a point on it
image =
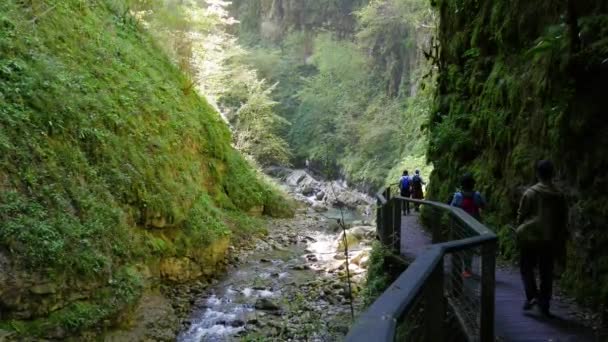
(351, 239)
(341, 197)
(294, 178)
(266, 305)
(363, 232)
(359, 258)
(318, 207)
(307, 190)
(319, 196)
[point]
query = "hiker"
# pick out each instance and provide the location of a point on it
(416, 184)
(542, 219)
(406, 191)
(467, 198)
(472, 203)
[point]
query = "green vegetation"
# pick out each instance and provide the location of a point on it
(198, 38)
(108, 157)
(384, 268)
(351, 87)
(520, 81)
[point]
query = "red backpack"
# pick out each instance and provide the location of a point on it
(469, 205)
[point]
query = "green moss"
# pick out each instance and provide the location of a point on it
(384, 268)
(107, 157)
(513, 89)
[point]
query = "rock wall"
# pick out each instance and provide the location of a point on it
(272, 19)
(114, 175)
(521, 81)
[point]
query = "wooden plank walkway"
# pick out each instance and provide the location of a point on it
(512, 323)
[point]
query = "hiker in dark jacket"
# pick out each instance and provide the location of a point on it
(417, 182)
(405, 190)
(472, 203)
(542, 220)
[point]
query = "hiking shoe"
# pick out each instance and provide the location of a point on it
(529, 304)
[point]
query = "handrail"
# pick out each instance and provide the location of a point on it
(380, 321)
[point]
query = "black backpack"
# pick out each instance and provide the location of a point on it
(416, 182)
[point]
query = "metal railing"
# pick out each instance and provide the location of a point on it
(434, 294)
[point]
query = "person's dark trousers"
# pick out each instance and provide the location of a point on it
(406, 204)
(537, 255)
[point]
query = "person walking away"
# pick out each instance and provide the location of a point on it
(542, 220)
(405, 189)
(472, 203)
(417, 193)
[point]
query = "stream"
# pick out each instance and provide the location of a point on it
(291, 285)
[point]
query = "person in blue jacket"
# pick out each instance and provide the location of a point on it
(405, 188)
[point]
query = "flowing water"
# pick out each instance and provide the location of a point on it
(271, 275)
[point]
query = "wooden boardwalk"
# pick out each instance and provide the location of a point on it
(511, 322)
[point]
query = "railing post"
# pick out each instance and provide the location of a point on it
(436, 225)
(397, 205)
(379, 221)
(435, 306)
(387, 218)
(456, 282)
(488, 279)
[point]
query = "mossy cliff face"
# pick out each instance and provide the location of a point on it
(273, 19)
(521, 81)
(110, 167)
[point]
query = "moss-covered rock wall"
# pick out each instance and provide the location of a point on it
(114, 173)
(521, 81)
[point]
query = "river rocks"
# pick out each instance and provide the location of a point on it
(363, 232)
(307, 190)
(334, 193)
(312, 258)
(296, 177)
(350, 242)
(302, 283)
(319, 207)
(300, 267)
(266, 305)
(153, 320)
(236, 323)
(361, 259)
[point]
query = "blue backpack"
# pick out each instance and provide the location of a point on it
(404, 183)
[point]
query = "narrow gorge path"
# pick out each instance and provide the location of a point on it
(290, 284)
(511, 322)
